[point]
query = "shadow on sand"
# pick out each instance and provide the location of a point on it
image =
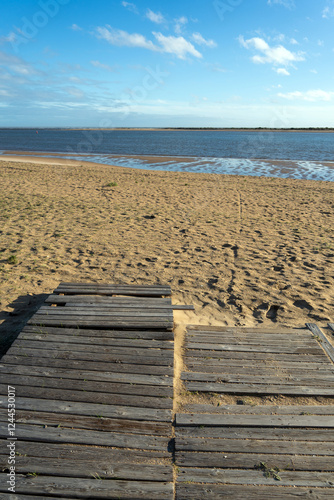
(12, 323)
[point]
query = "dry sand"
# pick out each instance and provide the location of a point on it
(243, 250)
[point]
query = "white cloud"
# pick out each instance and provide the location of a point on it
(155, 17)
(197, 38)
(98, 64)
(328, 11)
(130, 6)
(282, 71)
(314, 71)
(293, 41)
(289, 4)
(16, 64)
(278, 55)
(309, 95)
(179, 24)
(122, 38)
(177, 45)
(75, 27)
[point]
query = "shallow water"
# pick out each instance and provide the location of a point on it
(296, 155)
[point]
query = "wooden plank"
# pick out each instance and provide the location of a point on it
(116, 356)
(113, 285)
(254, 477)
(91, 409)
(97, 366)
(91, 322)
(148, 344)
(157, 352)
(262, 378)
(98, 468)
(269, 339)
(261, 409)
(327, 346)
(41, 434)
(249, 492)
(150, 382)
(101, 299)
(266, 445)
(87, 453)
(244, 329)
(249, 433)
(122, 334)
(295, 390)
(290, 349)
(331, 326)
(90, 423)
(74, 290)
(88, 385)
(91, 316)
(249, 460)
(90, 397)
(84, 488)
(297, 369)
(191, 419)
(120, 312)
(198, 354)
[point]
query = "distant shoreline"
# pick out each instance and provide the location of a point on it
(181, 129)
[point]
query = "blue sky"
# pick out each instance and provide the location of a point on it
(198, 63)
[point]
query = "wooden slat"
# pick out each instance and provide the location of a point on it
(89, 385)
(251, 433)
(26, 432)
(151, 382)
(101, 299)
(100, 341)
(295, 390)
(290, 349)
(244, 329)
(331, 326)
(91, 409)
(198, 354)
(265, 339)
(191, 419)
(90, 396)
(115, 334)
(322, 339)
(92, 322)
(233, 366)
(87, 310)
(83, 488)
(88, 453)
(117, 355)
(97, 366)
(101, 468)
(255, 477)
(262, 378)
(249, 492)
(89, 423)
(261, 409)
(119, 286)
(265, 445)
(249, 460)
(138, 351)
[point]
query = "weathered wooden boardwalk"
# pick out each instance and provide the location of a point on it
(92, 374)
(93, 378)
(256, 452)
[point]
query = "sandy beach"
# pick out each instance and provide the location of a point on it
(243, 250)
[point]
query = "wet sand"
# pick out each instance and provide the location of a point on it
(244, 250)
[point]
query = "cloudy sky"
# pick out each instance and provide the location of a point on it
(114, 63)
